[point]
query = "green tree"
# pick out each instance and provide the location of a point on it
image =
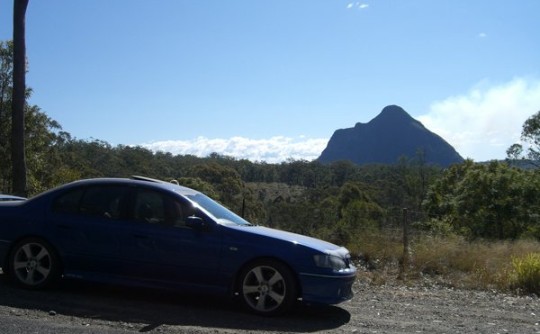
(6, 89)
(44, 163)
(530, 141)
(493, 201)
(225, 180)
(42, 135)
(357, 211)
(198, 184)
(343, 171)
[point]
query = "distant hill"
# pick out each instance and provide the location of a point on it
(386, 138)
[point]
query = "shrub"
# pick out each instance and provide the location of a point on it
(527, 272)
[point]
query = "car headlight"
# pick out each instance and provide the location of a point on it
(330, 262)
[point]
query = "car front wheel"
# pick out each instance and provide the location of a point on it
(267, 287)
(33, 264)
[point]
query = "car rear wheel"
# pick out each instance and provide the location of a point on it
(267, 287)
(33, 264)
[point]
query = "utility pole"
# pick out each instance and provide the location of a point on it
(18, 157)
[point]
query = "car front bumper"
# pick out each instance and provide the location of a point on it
(327, 289)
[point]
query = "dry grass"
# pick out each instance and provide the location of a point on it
(452, 260)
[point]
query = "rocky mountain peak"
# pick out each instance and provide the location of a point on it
(386, 138)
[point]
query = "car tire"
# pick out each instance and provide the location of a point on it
(267, 287)
(33, 264)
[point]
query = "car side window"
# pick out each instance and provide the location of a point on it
(106, 201)
(68, 202)
(156, 208)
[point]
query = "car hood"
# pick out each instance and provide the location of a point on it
(293, 238)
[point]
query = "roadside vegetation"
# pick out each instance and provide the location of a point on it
(474, 225)
(453, 261)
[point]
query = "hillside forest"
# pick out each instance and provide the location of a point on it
(339, 202)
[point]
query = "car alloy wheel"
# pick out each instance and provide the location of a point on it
(33, 264)
(268, 288)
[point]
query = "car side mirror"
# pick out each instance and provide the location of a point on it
(196, 223)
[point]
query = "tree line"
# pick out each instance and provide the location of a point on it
(336, 201)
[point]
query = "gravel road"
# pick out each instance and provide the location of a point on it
(88, 308)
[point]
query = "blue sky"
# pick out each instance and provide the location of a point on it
(272, 80)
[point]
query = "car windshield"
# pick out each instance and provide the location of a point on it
(218, 211)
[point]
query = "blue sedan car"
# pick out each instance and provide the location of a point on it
(150, 233)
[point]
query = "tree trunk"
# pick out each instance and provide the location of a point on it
(18, 158)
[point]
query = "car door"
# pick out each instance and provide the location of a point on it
(162, 248)
(87, 223)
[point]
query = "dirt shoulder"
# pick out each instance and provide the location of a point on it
(434, 309)
(87, 308)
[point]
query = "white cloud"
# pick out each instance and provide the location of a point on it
(274, 150)
(483, 123)
(482, 35)
(358, 5)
